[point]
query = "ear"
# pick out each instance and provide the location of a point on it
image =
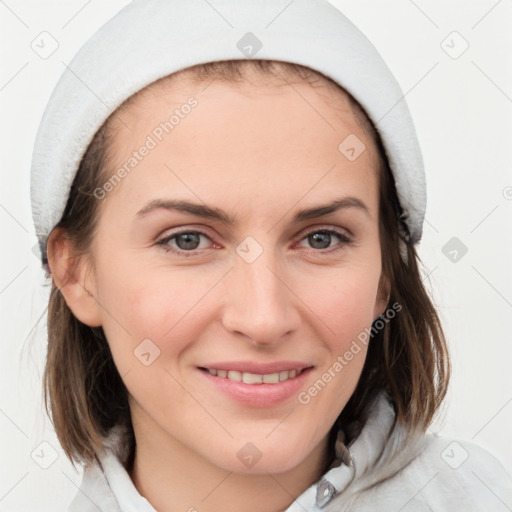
(71, 274)
(383, 296)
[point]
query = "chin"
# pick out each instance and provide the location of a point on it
(275, 464)
(262, 458)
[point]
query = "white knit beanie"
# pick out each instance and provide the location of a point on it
(150, 39)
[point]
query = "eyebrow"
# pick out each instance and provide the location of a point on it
(202, 210)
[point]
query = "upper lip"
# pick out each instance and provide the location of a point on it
(258, 369)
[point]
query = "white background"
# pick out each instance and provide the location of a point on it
(462, 109)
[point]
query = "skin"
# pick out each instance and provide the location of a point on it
(262, 153)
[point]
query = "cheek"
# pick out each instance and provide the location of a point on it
(151, 324)
(344, 309)
(344, 301)
(155, 305)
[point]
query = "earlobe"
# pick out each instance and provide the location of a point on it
(70, 273)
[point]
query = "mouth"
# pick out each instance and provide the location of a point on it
(255, 378)
(257, 385)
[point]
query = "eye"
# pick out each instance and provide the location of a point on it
(184, 242)
(188, 243)
(321, 239)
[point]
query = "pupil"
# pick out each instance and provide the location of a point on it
(323, 238)
(191, 241)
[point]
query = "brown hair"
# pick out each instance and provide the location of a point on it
(84, 393)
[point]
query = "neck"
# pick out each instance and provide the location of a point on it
(173, 477)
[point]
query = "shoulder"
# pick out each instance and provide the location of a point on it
(94, 493)
(461, 459)
(446, 475)
(453, 474)
(465, 473)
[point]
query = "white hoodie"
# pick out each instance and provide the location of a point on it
(427, 473)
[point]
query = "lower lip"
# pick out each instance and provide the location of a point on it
(259, 395)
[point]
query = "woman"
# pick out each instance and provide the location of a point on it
(237, 320)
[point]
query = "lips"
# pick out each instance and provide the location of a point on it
(260, 385)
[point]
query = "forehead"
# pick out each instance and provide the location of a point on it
(250, 78)
(273, 131)
(318, 102)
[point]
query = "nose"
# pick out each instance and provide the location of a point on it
(260, 304)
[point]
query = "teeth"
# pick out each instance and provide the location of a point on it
(272, 378)
(236, 376)
(254, 378)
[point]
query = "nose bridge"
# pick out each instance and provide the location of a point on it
(259, 304)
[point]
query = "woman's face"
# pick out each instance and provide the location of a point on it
(221, 250)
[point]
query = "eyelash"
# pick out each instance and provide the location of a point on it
(345, 240)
